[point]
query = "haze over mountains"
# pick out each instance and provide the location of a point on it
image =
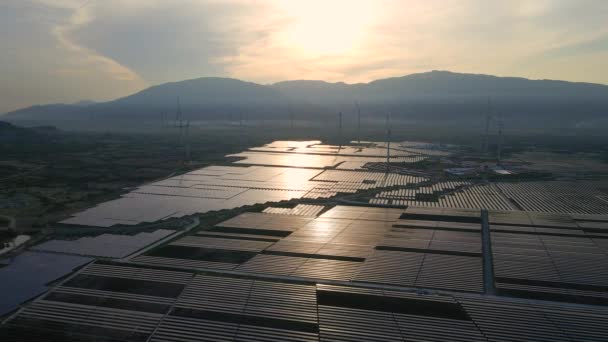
(431, 95)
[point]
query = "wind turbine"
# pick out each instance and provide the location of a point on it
(358, 123)
(486, 137)
(340, 130)
(500, 125)
(388, 141)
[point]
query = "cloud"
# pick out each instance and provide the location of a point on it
(82, 15)
(41, 63)
(164, 41)
(66, 50)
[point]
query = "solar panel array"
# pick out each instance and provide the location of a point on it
(280, 171)
(298, 210)
(314, 154)
(551, 197)
(557, 197)
(417, 247)
(413, 194)
(110, 301)
(435, 272)
(356, 244)
(104, 245)
(368, 149)
(550, 256)
(285, 170)
(226, 187)
(483, 196)
(317, 161)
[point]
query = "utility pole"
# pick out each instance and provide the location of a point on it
(178, 113)
(290, 116)
(500, 141)
(187, 141)
(178, 121)
(242, 131)
(358, 123)
(487, 131)
(340, 129)
(388, 142)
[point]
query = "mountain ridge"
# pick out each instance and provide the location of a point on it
(440, 93)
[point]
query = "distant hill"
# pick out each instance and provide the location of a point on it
(431, 95)
(83, 103)
(203, 91)
(11, 133)
(440, 85)
(6, 127)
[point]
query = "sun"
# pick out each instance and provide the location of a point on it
(326, 27)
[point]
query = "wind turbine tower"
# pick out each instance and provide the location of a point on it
(178, 113)
(340, 128)
(388, 142)
(187, 141)
(486, 136)
(500, 140)
(358, 123)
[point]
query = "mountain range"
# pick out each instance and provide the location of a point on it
(429, 95)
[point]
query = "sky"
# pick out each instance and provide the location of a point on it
(63, 51)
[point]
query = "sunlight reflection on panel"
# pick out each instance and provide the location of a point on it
(225, 187)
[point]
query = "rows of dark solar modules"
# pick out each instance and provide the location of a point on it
(105, 245)
(434, 240)
(222, 243)
(523, 218)
(242, 309)
(183, 263)
(379, 315)
(87, 320)
(581, 225)
(557, 197)
(573, 265)
(426, 270)
(226, 187)
(117, 302)
(217, 308)
(345, 243)
(553, 197)
(485, 196)
(345, 181)
(301, 267)
(504, 320)
(549, 256)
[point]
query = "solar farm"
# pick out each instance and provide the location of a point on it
(553, 197)
(317, 244)
(281, 178)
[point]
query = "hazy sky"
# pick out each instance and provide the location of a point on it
(68, 50)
